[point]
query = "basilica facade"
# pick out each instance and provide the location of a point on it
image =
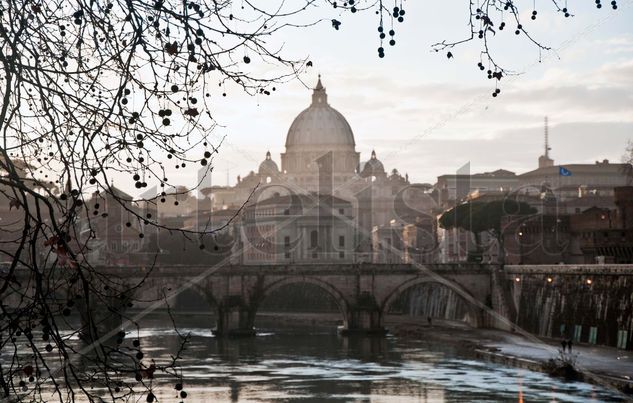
(342, 201)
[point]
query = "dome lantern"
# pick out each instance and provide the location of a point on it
(319, 96)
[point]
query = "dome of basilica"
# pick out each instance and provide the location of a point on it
(268, 166)
(320, 124)
(373, 167)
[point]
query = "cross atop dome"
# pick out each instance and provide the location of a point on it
(319, 96)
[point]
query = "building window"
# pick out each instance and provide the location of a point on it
(286, 241)
(314, 255)
(341, 211)
(341, 255)
(341, 241)
(314, 239)
(287, 212)
(287, 255)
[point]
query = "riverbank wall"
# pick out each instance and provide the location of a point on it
(585, 303)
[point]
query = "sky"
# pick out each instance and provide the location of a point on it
(428, 115)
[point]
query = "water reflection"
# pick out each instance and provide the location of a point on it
(319, 366)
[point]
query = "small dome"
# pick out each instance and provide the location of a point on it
(268, 166)
(373, 167)
(320, 124)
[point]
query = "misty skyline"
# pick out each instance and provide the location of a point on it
(428, 116)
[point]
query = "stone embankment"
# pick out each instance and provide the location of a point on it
(605, 366)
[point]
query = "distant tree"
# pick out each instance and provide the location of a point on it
(627, 159)
(628, 154)
(479, 217)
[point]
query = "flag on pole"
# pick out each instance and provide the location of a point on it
(564, 171)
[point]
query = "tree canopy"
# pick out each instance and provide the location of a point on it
(478, 216)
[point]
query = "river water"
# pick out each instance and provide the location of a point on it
(317, 365)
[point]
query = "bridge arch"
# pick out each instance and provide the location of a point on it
(341, 301)
(176, 288)
(475, 318)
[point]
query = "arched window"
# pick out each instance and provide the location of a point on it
(314, 239)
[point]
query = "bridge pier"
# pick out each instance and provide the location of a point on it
(235, 319)
(364, 317)
(101, 320)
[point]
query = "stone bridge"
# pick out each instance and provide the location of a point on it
(363, 292)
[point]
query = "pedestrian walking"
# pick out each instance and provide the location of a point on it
(564, 344)
(569, 344)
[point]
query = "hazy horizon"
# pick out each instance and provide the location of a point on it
(427, 115)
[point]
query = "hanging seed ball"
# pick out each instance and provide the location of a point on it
(247, 59)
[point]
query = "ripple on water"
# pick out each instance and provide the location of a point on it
(327, 368)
